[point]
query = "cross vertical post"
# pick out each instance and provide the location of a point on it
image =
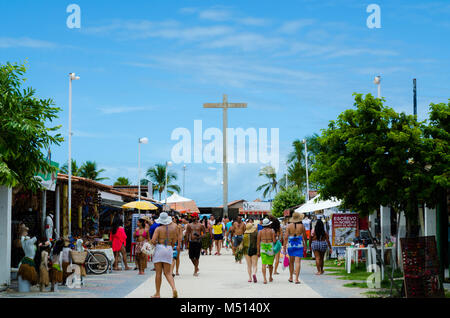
(225, 105)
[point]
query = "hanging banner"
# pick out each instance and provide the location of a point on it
(48, 180)
(345, 227)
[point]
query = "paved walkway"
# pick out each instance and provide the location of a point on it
(221, 277)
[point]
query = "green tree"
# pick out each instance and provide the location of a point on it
(89, 170)
(122, 181)
(75, 169)
(286, 199)
(438, 134)
(272, 184)
(157, 175)
(297, 163)
(372, 156)
(23, 130)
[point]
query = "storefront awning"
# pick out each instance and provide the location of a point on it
(112, 200)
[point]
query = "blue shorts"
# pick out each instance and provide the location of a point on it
(237, 240)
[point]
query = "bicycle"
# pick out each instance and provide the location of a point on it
(96, 262)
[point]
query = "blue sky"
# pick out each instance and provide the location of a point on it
(147, 67)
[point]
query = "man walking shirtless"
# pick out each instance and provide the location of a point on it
(237, 232)
(194, 233)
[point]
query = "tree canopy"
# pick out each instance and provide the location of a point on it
(122, 181)
(372, 156)
(23, 130)
(285, 199)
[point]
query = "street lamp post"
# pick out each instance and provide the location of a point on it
(143, 140)
(306, 162)
(168, 164)
(71, 77)
(377, 81)
(184, 177)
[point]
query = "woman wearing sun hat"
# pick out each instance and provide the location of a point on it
(266, 241)
(250, 249)
(294, 237)
(164, 239)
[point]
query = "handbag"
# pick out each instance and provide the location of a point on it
(277, 247)
(148, 249)
(285, 262)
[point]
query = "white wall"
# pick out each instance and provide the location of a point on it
(5, 235)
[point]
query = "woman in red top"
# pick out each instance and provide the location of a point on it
(119, 242)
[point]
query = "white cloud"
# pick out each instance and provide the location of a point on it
(215, 14)
(123, 109)
(293, 26)
(25, 42)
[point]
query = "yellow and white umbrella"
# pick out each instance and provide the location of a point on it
(140, 205)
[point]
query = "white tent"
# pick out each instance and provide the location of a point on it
(179, 203)
(315, 204)
(175, 198)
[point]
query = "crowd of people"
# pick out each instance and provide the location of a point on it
(266, 238)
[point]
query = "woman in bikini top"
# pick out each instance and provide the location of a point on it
(167, 234)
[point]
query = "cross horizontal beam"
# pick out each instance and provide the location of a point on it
(227, 105)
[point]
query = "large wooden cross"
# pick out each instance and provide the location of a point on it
(225, 105)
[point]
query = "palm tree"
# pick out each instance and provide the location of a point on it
(272, 185)
(122, 181)
(297, 163)
(75, 169)
(89, 170)
(157, 176)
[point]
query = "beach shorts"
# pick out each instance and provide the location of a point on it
(163, 254)
(267, 254)
(237, 239)
(320, 246)
(218, 237)
(295, 246)
(195, 249)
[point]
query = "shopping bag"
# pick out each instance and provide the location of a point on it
(285, 262)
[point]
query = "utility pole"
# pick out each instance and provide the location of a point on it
(225, 105)
(184, 178)
(415, 97)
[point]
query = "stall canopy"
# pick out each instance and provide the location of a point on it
(179, 203)
(110, 199)
(315, 204)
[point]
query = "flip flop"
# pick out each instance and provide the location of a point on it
(297, 282)
(254, 278)
(249, 280)
(290, 281)
(175, 294)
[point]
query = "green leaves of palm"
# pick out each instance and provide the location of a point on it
(122, 181)
(157, 176)
(89, 170)
(75, 169)
(271, 185)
